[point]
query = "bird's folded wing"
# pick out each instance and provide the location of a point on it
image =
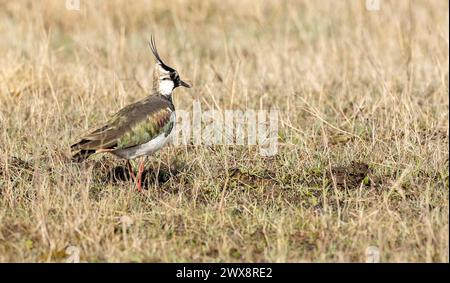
(135, 124)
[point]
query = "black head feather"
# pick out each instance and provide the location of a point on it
(158, 58)
(172, 72)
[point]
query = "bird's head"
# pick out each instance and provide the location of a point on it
(165, 78)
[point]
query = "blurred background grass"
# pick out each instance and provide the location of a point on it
(351, 85)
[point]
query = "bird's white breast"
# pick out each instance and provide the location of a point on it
(143, 149)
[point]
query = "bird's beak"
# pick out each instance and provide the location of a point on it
(184, 84)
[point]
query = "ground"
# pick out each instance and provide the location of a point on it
(362, 160)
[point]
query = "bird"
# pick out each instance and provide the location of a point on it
(139, 129)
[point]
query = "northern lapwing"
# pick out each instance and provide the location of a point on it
(141, 128)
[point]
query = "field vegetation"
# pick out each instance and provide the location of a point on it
(363, 129)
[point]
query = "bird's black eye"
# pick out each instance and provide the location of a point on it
(174, 76)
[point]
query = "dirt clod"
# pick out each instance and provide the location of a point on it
(350, 176)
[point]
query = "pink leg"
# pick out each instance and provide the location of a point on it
(140, 170)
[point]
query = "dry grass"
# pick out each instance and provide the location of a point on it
(363, 154)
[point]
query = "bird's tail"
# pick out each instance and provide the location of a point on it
(82, 155)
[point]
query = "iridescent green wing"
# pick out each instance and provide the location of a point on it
(144, 131)
(135, 124)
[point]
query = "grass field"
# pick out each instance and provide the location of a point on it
(363, 142)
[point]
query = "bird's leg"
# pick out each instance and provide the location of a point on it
(140, 170)
(131, 171)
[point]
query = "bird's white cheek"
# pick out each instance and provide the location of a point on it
(166, 87)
